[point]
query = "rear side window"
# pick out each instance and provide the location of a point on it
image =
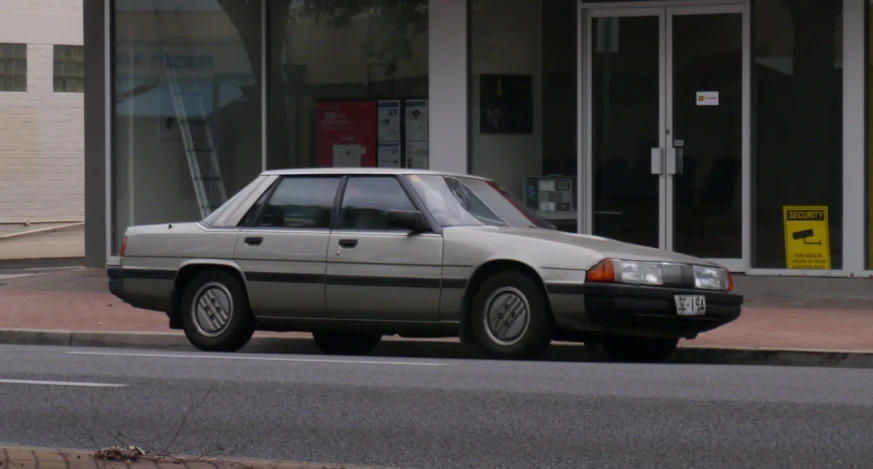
(297, 202)
(367, 201)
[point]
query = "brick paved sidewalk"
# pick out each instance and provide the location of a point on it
(44, 458)
(79, 301)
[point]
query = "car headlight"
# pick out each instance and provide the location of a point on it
(660, 273)
(712, 278)
(633, 272)
(641, 273)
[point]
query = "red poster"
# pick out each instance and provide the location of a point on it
(347, 133)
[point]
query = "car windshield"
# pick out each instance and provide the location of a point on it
(461, 201)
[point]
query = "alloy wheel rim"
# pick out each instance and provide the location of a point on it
(507, 316)
(211, 309)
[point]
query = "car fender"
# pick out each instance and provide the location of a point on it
(199, 263)
(467, 251)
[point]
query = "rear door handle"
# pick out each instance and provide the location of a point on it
(348, 243)
(254, 241)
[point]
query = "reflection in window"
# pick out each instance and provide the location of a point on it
(523, 97)
(301, 202)
(330, 67)
(187, 116)
(367, 201)
(798, 121)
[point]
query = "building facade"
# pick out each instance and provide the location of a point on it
(733, 130)
(42, 184)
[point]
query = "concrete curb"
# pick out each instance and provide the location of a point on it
(395, 347)
(28, 457)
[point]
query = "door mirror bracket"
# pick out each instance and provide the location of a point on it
(411, 220)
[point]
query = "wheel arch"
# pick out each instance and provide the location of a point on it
(480, 274)
(187, 271)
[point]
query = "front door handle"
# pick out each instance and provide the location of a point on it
(348, 243)
(254, 241)
(657, 160)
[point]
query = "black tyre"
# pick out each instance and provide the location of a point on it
(215, 312)
(510, 317)
(346, 343)
(638, 349)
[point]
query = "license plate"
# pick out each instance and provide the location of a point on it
(690, 305)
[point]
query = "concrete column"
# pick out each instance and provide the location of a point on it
(448, 64)
(94, 14)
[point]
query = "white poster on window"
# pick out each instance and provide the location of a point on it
(416, 120)
(389, 120)
(417, 156)
(389, 155)
(348, 156)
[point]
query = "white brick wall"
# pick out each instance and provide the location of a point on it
(41, 137)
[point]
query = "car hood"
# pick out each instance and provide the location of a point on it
(596, 246)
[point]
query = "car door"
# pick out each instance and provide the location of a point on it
(282, 246)
(374, 271)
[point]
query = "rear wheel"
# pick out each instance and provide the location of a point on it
(638, 349)
(346, 343)
(510, 317)
(215, 312)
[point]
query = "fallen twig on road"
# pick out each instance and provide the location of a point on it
(120, 453)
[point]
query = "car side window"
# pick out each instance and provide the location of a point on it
(251, 215)
(299, 202)
(367, 201)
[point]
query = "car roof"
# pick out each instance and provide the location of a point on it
(383, 171)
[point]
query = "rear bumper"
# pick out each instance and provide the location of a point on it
(116, 284)
(640, 310)
(149, 289)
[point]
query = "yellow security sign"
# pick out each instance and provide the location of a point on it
(806, 237)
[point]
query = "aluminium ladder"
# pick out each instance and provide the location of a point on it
(196, 136)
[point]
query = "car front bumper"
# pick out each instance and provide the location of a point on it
(639, 310)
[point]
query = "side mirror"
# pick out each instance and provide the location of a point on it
(411, 220)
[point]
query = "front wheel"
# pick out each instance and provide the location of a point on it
(638, 349)
(510, 317)
(215, 312)
(335, 343)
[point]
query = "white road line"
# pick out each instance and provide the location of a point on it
(14, 276)
(266, 359)
(61, 383)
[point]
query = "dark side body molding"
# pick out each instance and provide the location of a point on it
(117, 274)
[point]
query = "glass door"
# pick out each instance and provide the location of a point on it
(626, 124)
(665, 128)
(705, 133)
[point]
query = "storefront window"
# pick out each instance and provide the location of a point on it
(523, 112)
(348, 85)
(187, 117)
(797, 131)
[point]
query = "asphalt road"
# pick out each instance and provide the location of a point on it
(432, 413)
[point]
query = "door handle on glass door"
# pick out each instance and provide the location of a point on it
(657, 160)
(671, 159)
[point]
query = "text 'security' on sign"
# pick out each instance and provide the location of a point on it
(806, 237)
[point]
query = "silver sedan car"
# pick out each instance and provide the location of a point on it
(352, 255)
